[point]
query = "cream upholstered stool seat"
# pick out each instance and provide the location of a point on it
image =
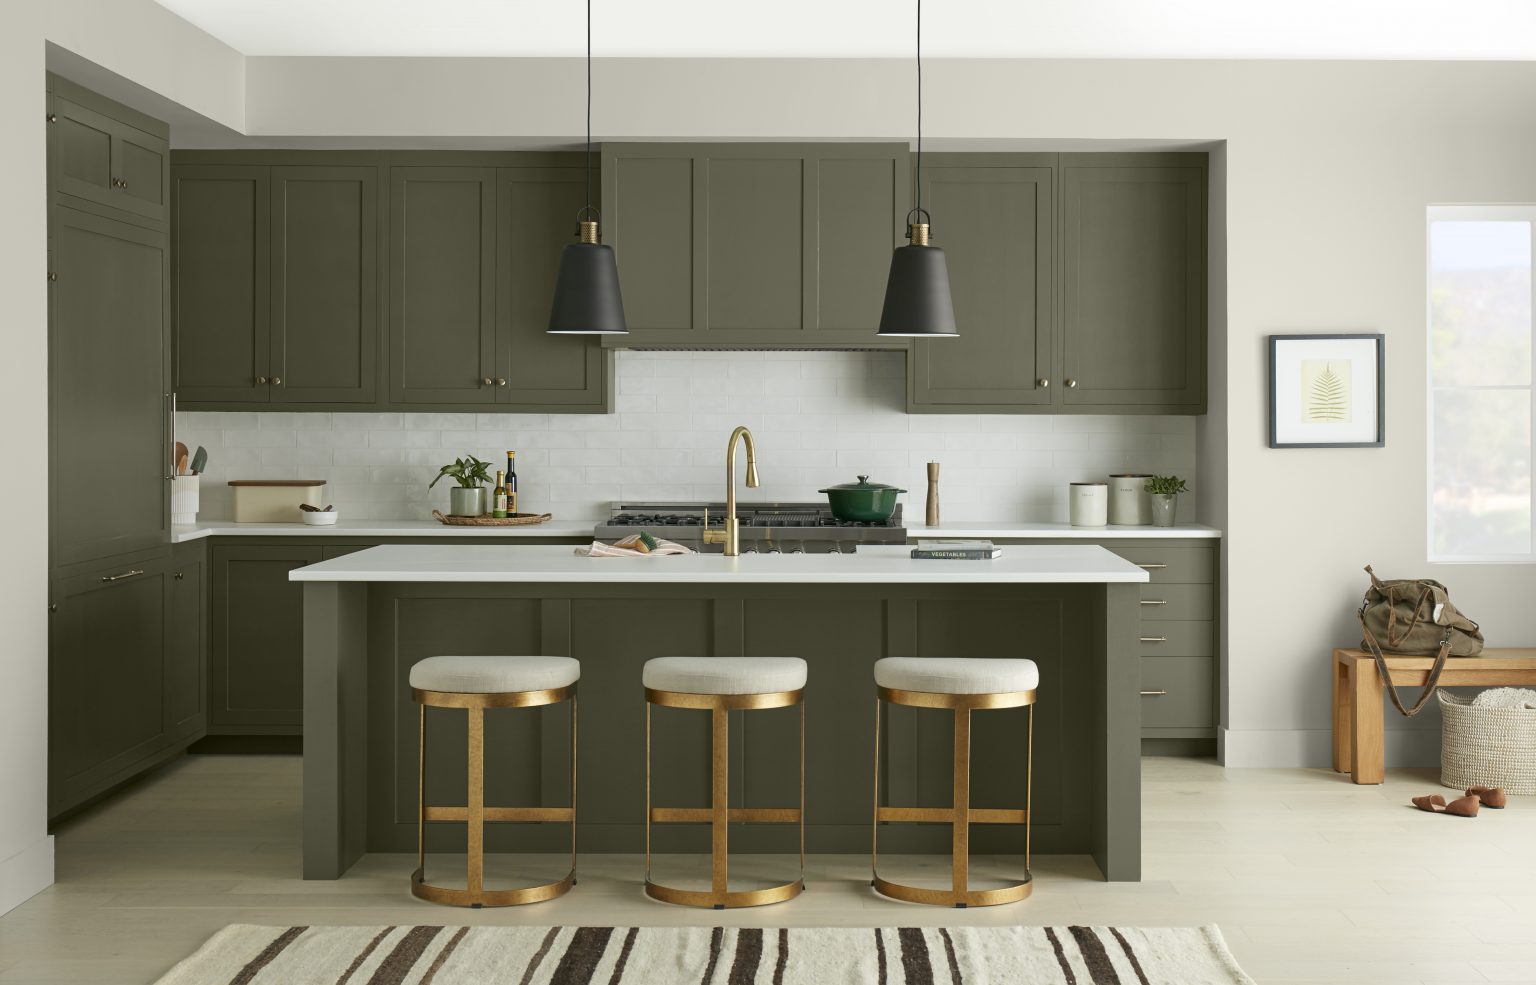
(962, 685)
(475, 684)
(722, 685)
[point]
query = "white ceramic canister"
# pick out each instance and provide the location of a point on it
(1130, 505)
(184, 498)
(1090, 504)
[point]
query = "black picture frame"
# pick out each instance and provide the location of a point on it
(1380, 341)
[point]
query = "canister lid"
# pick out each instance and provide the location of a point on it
(277, 482)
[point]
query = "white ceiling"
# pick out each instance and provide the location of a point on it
(1354, 29)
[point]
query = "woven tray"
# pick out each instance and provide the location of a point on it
(515, 520)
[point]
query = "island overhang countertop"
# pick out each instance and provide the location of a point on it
(1019, 564)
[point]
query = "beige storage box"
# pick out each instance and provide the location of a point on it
(273, 500)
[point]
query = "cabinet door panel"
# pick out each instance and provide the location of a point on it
(753, 265)
(219, 241)
(325, 321)
(537, 208)
(105, 676)
(1134, 286)
(442, 285)
(651, 198)
(143, 172)
(186, 650)
(80, 154)
(853, 215)
(109, 402)
(994, 224)
(257, 672)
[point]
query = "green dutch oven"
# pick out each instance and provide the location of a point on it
(862, 501)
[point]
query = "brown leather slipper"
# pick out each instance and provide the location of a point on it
(1435, 804)
(1491, 797)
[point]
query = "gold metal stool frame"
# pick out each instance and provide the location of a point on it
(960, 815)
(475, 813)
(719, 814)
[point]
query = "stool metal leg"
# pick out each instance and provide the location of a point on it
(960, 823)
(874, 833)
(720, 792)
(475, 811)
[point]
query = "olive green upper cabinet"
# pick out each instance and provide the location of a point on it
(220, 233)
(442, 284)
(107, 154)
(325, 305)
(536, 217)
(109, 402)
(1134, 283)
(993, 217)
(276, 284)
(753, 244)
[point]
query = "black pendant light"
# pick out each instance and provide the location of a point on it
(917, 302)
(587, 299)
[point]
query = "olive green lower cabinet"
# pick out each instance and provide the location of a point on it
(257, 669)
(126, 668)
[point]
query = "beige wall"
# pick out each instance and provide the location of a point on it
(1328, 169)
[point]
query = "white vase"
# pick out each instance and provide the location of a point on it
(184, 498)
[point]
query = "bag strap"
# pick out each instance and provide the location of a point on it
(1431, 683)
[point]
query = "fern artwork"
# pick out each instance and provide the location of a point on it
(1325, 396)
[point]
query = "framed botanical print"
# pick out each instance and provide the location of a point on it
(1326, 391)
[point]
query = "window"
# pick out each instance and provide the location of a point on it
(1480, 376)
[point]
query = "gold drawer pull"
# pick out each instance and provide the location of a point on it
(1154, 639)
(1154, 601)
(1153, 694)
(1151, 566)
(126, 574)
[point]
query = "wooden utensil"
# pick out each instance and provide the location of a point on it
(181, 458)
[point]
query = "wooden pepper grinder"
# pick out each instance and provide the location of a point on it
(933, 494)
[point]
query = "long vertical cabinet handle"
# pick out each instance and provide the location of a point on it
(170, 436)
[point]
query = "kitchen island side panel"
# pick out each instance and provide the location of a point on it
(840, 629)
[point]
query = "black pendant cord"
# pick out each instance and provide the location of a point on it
(589, 104)
(919, 177)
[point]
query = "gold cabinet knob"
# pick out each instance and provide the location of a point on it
(486, 381)
(501, 381)
(1042, 383)
(261, 381)
(1071, 384)
(277, 381)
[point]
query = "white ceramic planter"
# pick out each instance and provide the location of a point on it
(1165, 508)
(466, 502)
(185, 491)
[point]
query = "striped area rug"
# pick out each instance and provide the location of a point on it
(248, 955)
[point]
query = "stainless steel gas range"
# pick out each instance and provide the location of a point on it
(766, 528)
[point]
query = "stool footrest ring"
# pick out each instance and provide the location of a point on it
(948, 897)
(565, 815)
(421, 889)
(729, 900)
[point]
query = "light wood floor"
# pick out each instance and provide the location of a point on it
(1311, 879)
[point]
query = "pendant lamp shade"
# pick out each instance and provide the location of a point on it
(917, 300)
(587, 299)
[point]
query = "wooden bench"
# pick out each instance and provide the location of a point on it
(1358, 697)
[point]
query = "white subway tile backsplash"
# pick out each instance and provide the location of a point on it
(819, 418)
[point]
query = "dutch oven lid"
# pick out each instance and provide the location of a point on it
(863, 485)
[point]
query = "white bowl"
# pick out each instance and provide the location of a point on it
(320, 519)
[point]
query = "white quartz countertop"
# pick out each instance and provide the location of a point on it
(992, 530)
(958, 529)
(893, 564)
(377, 528)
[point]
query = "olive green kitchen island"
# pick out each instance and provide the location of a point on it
(369, 616)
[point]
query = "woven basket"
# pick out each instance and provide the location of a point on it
(1489, 747)
(515, 520)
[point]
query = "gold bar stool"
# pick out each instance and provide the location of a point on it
(721, 685)
(475, 684)
(962, 685)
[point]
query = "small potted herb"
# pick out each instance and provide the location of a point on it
(1165, 490)
(472, 476)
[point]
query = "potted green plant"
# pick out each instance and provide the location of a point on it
(1164, 490)
(472, 476)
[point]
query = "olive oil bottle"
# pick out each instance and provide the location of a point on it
(499, 498)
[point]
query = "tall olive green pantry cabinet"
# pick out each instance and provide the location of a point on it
(125, 682)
